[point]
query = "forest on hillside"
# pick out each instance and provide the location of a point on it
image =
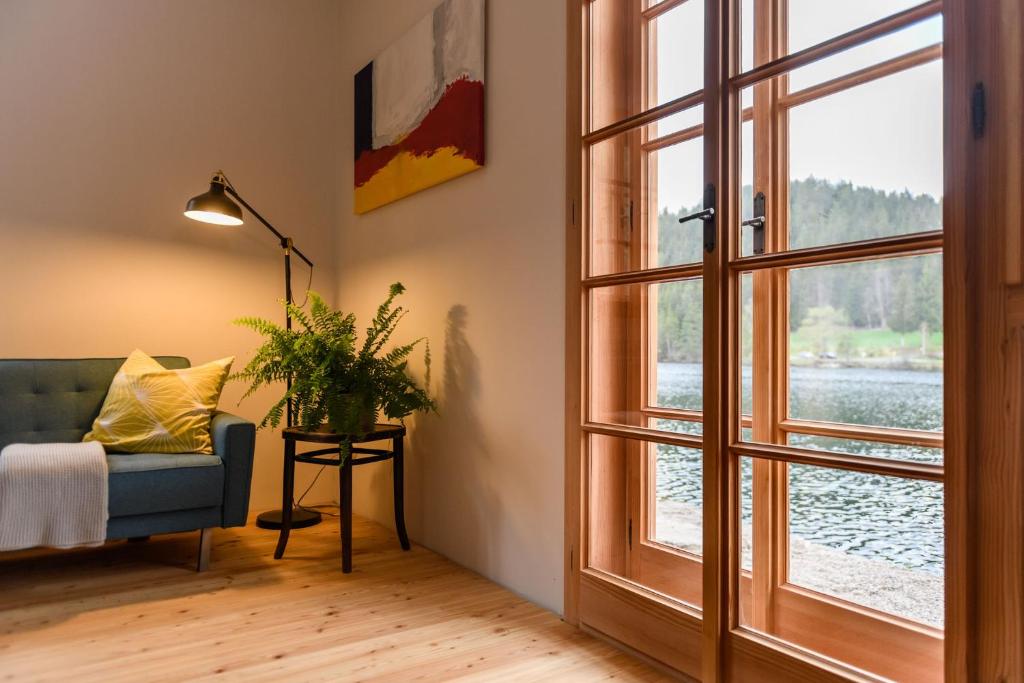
(878, 309)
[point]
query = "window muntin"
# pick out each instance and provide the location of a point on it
(909, 452)
(676, 37)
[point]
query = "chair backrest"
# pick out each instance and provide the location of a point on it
(43, 401)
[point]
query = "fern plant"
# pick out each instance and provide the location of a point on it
(334, 379)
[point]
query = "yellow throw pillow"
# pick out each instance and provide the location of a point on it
(150, 409)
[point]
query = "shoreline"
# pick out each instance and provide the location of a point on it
(915, 364)
(873, 583)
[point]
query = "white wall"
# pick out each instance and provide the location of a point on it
(483, 257)
(114, 113)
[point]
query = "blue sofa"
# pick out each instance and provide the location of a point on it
(44, 401)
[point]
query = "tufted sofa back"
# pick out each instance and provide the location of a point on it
(44, 401)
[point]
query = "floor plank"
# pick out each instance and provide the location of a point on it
(138, 611)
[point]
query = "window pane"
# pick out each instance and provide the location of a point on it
(670, 50)
(882, 173)
(677, 189)
(677, 43)
(669, 352)
(615, 192)
(637, 195)
(608, 501)
(617, 357)
(678, 498)
(813, 21)
(747, 34)
(870, 539)
(672, 499)
(865, 342)
(864, 163)
(679, 377)
(747, 344)
(611, 55)
(746, 514)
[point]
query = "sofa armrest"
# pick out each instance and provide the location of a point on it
(234, 441)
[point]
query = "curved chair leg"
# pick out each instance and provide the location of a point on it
(205, 543)
(287, 498)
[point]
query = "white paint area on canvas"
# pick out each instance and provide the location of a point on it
(462, 44)
(410, 75)
(404, 84)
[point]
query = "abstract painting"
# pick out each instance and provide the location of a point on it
(419, 107)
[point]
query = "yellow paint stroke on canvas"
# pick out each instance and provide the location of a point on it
(408, 173)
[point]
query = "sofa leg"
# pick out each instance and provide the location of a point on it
(205, 543)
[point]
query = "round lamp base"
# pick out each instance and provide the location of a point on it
(301, 518)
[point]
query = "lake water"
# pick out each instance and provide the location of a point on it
(881, 518)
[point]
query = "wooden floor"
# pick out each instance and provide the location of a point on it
(138, 612)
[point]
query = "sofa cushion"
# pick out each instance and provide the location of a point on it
(150, 409)
(145, 483)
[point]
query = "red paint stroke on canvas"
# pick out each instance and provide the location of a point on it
(457, 120)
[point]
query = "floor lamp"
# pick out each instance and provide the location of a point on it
(216, 207)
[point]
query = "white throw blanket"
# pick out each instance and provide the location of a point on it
(53, 494)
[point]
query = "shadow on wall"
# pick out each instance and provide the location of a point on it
(450, 464)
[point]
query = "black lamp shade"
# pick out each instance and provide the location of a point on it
(214, 207)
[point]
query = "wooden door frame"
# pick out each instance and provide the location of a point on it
(984, 273)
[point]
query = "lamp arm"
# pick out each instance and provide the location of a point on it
(285, 241)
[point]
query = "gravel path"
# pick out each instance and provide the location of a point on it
(869, 582)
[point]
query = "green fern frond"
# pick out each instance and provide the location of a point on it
(330, 379)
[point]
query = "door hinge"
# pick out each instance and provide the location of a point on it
(572, 562)
(978, 111)
(629, 538)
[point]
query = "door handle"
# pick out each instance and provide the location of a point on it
(758, 222)
(707, 216)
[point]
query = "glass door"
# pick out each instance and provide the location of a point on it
(762, 333)
(838, 450)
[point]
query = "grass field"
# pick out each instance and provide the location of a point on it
(860, 343)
